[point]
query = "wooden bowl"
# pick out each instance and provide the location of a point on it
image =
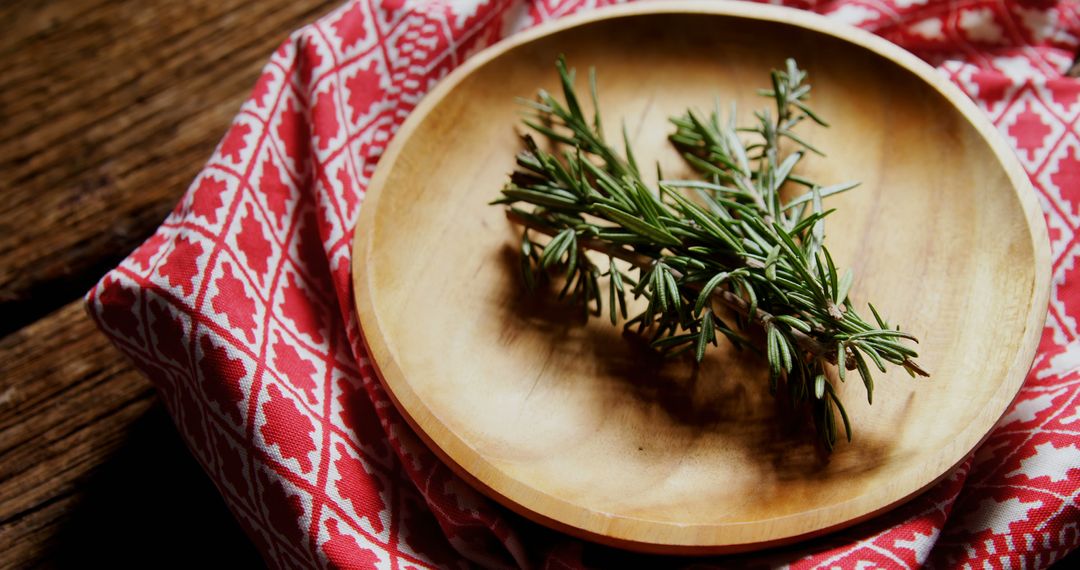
(572, 425)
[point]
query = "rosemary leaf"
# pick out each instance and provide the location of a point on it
(692, 245)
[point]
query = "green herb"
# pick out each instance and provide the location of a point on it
(695, 247)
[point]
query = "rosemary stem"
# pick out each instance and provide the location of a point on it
(729, 299)
(631, 257)
(739, 245)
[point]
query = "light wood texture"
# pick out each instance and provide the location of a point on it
(572, 425)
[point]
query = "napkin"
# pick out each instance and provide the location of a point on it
(239, 308)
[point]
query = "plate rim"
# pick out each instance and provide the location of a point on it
(598, 527)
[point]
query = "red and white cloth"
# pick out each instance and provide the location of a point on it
(240, 307)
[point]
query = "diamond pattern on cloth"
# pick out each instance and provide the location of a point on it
(239, 308)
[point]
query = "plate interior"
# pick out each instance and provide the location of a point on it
(571, 423)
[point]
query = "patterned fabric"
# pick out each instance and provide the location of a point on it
(239, 308)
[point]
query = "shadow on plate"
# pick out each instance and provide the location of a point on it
(726, 396)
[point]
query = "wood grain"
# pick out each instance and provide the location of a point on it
(107, 111)
(66, 402)
(59, 380)
(571, 425)
(92, 470)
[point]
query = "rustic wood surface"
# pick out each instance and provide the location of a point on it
(560, 420)
(107, 111)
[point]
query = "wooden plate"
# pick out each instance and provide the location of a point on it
(568, 423)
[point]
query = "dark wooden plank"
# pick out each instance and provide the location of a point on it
(107, 111)
(91, 467)
(67, 400)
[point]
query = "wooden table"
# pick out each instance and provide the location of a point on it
(107, 111)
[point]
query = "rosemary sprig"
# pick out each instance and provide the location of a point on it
(731, 240)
